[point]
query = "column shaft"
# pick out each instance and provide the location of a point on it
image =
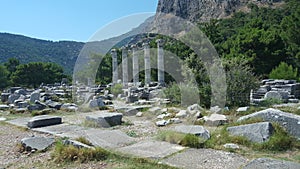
(114, 66)
(147, 63)
(135, 65)
(160, 63)
(125, 66)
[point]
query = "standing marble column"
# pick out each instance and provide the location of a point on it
(160, 63)
(147, 63)
(135, 65)
(114, 66)
(125, 66)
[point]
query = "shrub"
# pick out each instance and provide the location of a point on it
(247, 121)
(184, 94)
(221, 137)
(116, 89)
(131, 133)
(188, 140)
(89, 123)
(269, 102)
(279, 141)
(69, 153)
(173, 93)
(42, 112)
(84, 141)
(240, 80)
(284, 71)
(192, 141)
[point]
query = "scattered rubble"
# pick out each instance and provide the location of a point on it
(283, 90)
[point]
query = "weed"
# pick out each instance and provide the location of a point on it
(14, 111)
(131, 133)
(89, 123)
(293, 110)
(116, 89)
(192, 141)
(103, 108)
(84, 109)
(20, 148)
(269, 102)
(127, 123)
(247, 121)
(69, 153)
(199, 122)
(221, 137)
(144, 109)
(42, 112)
(279, 141)
(188, 140)
(84, 141)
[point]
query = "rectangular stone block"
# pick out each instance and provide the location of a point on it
(44, 120)
(106, 119)
(290, 122)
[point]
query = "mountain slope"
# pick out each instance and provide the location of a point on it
(28, 49)
(204, 10)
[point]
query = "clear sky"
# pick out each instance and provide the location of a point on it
(74, 20)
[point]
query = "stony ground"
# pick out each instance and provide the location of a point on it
(142, 128)
(11, 157)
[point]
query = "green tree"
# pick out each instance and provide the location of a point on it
(35, 73)
(284, 71)
(290, 27)
(240, 80)
(4, 81)
(12, 64)
(104, 73)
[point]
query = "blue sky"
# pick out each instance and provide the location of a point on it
(74, 20)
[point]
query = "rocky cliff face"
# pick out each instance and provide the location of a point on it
(204, 10)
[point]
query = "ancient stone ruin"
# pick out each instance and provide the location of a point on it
(287, 91)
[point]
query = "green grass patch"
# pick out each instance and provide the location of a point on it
(145, 109)
(42, 112)
(293, 110)
(127, 123)
(247, 121)
(89, 123)
(84, 141)
(279, 141)
(127, 162)
(269, 102)
(69, 153)
(221, 137)
(131, 134)
(187, 140)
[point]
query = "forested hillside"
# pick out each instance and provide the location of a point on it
(264, 37)
(28, 50)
